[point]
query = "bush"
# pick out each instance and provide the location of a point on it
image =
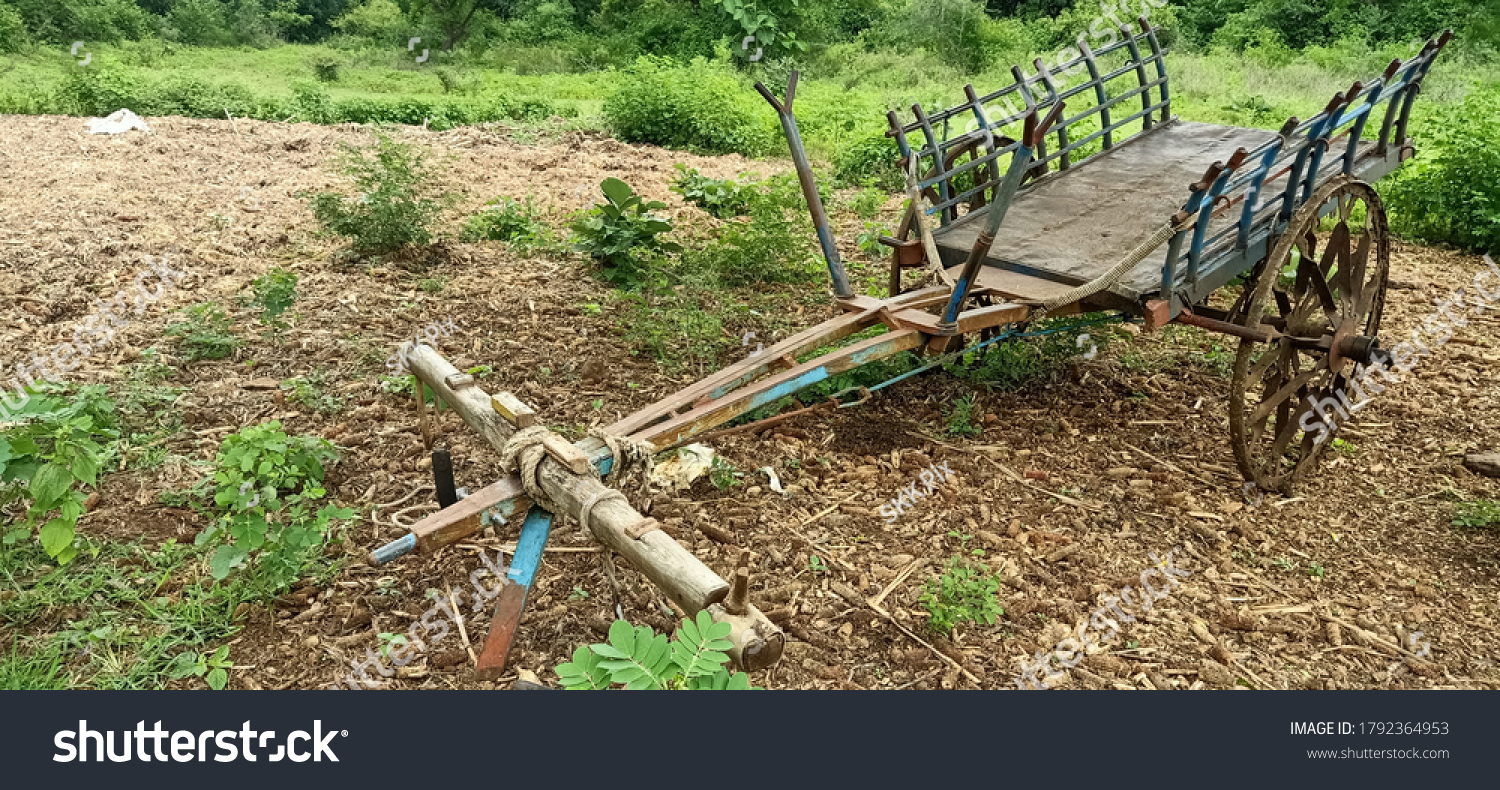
(326, 70)
(873, 158)
(192, 97)
(380, 21)
(99, 91)
(201, 22)
(621, 230)
(396, 206)
(264, 483)
(700, 107)
(1452, 194)
(274, 292)
(773, 244)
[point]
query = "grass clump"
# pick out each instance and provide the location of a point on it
(207, 333)
(516, 223)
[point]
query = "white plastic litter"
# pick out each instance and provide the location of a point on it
(679, 471)
(775, 481)
(118, 122)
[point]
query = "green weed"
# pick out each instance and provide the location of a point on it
(206, 334)
(965, 593)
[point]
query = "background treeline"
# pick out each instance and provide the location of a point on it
(677, 73)
(586, 34)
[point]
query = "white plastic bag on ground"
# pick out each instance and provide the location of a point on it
(679, 471)
(118, 122)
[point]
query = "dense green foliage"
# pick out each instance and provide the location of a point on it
(699, 106)
(50, 448)
(1453, 194)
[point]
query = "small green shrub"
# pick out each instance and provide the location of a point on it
(872, 159)
(99, 90)
(638, 658)
(1479, 513)
(699, 106)
(326, 70)
(265, 483)
(398, 202)
(620, 231)
(274, 291)
(518, 224)
(54, 446)
(965, 593)
(207, 333)
(722, 198)
(961, 418)
(1452, 193)
(772, 244)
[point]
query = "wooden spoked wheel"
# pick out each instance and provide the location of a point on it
(1322, 289)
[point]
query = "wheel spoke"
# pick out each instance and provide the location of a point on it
(1286, 390)
(1363, 294)
(1320, 286)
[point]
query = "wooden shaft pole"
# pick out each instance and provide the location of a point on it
(681, 576)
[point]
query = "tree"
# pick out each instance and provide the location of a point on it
(455, 16)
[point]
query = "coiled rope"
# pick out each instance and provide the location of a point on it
(630, 470)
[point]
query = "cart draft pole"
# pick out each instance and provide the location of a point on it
(564, 475)
(841, 287)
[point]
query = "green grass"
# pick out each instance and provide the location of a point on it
(111, 621)
(842, 97)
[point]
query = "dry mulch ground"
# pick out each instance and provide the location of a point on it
(1074, 482)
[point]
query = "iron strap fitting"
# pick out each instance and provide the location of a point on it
(863, 392)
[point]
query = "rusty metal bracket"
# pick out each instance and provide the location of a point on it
(864, 396)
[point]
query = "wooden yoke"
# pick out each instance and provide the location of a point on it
(680, 575)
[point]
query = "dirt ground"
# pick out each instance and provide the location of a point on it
(1073, 484)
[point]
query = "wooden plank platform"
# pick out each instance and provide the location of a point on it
(1076, 224)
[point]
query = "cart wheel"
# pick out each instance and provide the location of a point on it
(1318, 283)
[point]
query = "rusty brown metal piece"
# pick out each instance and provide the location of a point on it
(1226, 328)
